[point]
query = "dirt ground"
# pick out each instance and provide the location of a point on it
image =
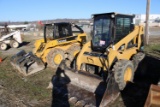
(19, 91)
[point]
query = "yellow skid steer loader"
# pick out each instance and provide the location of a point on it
(107, 62)
(60, 42)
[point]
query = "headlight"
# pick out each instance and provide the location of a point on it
(112, 15)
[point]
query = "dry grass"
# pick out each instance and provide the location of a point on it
(26, 88)
(153, 49)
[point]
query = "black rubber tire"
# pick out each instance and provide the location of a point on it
(3, 46)
(119, 72)
(51, 55)
(71, 57)
(137, 58)
(71, 50)
(14, 44)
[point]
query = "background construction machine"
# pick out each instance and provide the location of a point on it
(59, 43)
(12, 39)
(113, 55)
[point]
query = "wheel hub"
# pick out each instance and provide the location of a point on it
(15, 44)
(58, 59)
(128, 74)
(3, 46)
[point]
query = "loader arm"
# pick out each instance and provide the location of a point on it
(130, 44)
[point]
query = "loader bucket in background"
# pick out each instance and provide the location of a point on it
(27, 63)
(153, 99)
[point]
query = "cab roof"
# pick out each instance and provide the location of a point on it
(110, 13)
(58, 23)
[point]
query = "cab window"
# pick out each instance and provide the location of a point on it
(123, 27)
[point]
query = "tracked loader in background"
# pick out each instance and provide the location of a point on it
(107, 63)
(61, 41)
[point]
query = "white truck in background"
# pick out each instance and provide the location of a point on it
(13, 39)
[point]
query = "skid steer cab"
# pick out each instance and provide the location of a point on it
(61, 41)
(113, 55)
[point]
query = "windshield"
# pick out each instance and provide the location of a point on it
(62, 30)
(101, 34)
(49, 31)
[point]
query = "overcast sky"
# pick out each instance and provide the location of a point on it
(30, 10)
